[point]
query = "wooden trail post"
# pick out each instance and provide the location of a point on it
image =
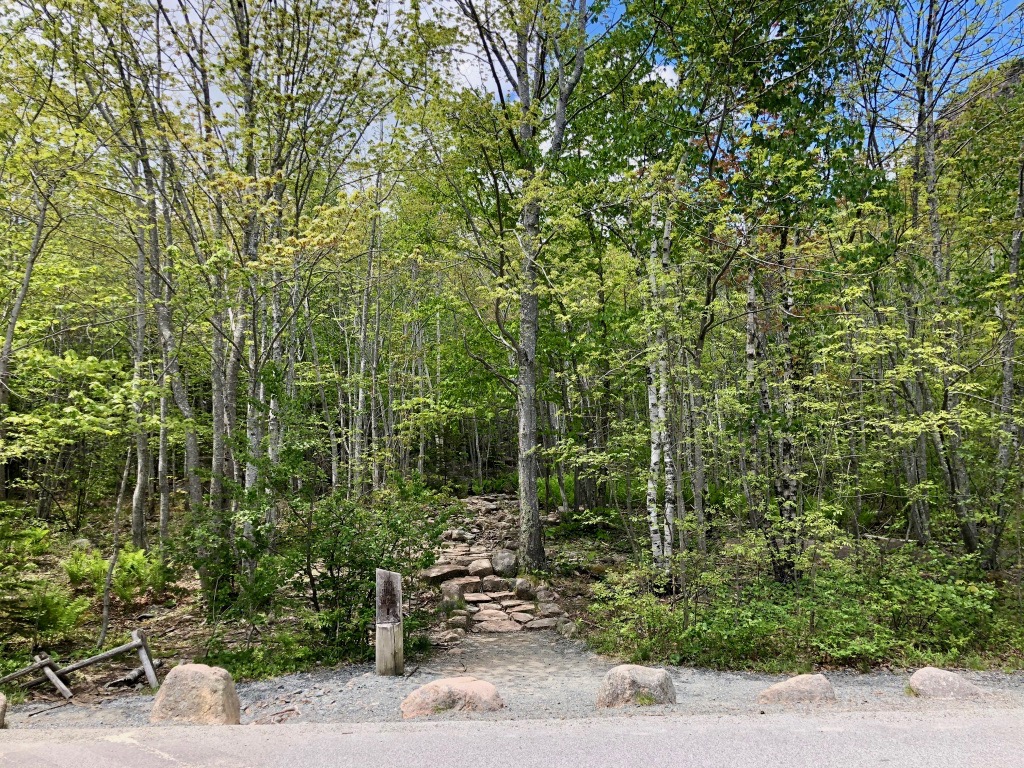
(390, 651)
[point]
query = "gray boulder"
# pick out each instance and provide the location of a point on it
(461, 694)
(454, 591)
(195, 694)
(802, 689)
(524, 590)
(481, 567)
(933, 683)
(496, 584)
(632, 684)
(504, 563)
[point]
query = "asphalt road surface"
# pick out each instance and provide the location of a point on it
(983, 738)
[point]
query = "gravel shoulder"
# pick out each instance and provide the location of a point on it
(539, 675)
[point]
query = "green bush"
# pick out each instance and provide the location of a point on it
(136, 573)
(907, 607)
(20, 547)
(85, 568)
(55, 613)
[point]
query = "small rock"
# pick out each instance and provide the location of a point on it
(567, 629)
(499, 625)
(496, 584)
(452, 636)
(542, 624)
(933, 683)
(545, 595)
(441, 573)
(490, 615)
(522, 618)
(476, 597)
(802, 689)
(504, 562)
(524, 590)
(81, 544)
(632, 684)
(462, 694)
(197, 694)
(549, 611)
(480, 567)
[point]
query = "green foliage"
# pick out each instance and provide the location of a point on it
(907, 607)
(21, 545)
(55, 613)
(136, 573)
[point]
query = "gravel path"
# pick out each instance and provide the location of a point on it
(539, 676)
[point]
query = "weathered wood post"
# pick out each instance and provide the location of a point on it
(390, 651)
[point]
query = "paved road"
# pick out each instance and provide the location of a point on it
(986, 739)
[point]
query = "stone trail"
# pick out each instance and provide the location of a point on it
(476, 573)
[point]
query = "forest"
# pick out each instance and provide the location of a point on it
(725, 292)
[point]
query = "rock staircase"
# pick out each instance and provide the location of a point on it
(476, 573)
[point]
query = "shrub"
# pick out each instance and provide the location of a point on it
(908, 607)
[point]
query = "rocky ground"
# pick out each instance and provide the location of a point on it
(539, 675)
(515, 634)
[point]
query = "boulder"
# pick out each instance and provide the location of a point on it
(454, 591)
(3, 710)
(481, 567)
(802, 689)
(499, 625)
(496, 584)
(504, 563)
(441, 573)
(933, 683)
(524, 590)
(196, 694)
(545, 595)
(632, 684)
(461, 694)
(543, 624)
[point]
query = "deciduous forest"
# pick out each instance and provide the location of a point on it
(726, 293)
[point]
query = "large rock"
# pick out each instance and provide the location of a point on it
(198, 695)
(524, 590)
(454, 591)
(481, 567)
(632, 684)
(462, 694)
(504, 563)
(496, 584)
(802, 689)
(441, 573)
(459, 622)
(935, 683)
(3, 710)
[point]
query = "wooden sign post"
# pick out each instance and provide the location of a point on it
(390, 651)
